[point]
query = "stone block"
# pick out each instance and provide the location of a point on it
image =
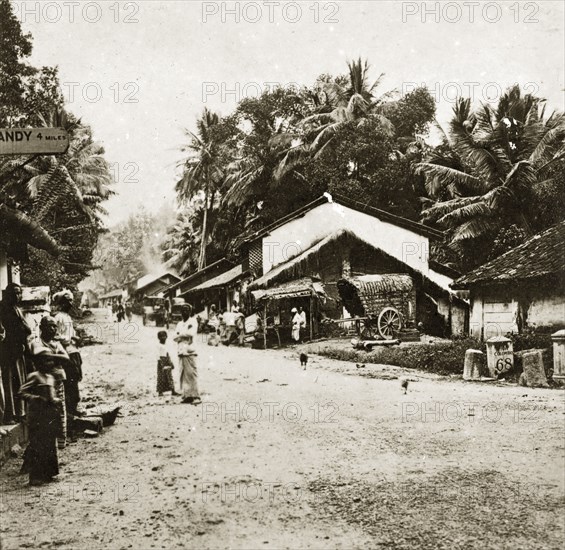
(500, 356)
(533, 374)
(474, 366)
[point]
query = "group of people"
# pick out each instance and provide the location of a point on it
(122, 311)
(185, 334)
(227, 326)
(44, 373)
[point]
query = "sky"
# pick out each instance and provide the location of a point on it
(141, 72)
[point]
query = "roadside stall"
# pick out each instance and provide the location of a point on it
(273, 306)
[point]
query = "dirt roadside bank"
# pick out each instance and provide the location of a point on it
(276, 457)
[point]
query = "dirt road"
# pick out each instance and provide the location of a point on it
(277, 457)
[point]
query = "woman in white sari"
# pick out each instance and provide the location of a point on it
(296, 320)
(185, 333)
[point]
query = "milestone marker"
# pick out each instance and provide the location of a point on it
(23, 141)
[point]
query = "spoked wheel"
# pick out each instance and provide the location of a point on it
(389, 323)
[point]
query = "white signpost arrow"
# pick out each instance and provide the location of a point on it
(35, 141)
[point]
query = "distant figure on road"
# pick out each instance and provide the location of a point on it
(185, 333)
(128, 311)
(230, 320)
(165, 366)
(120, 312)
(213, 319)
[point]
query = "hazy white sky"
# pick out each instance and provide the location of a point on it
(139, 72)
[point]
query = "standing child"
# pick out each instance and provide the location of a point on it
(40, 459)
(47, 348)
(164, 366)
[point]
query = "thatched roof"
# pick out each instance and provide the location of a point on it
(363, 295)
(200, 276)
(222, 280)
(292, 289)
(24, 229)
(542, 255)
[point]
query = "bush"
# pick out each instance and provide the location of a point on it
(442, 358)
(531, 340)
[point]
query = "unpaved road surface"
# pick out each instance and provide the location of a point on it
(278, 457)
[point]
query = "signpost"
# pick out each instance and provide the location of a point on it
(35, 141)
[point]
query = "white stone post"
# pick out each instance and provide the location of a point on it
(500, 355)
(558, 339)
(474, 364)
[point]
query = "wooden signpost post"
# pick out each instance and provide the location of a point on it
(34, 141)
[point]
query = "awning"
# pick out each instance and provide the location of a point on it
(221, 280)
(299, 288)
(112, 294)
(26, 230)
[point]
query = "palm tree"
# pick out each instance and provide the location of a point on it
(490, 165)
(181, 248)
(79, 179)
(201, 171)
(338, 102)
(249, 176)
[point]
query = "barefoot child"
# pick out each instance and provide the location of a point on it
(164, 366)
(40, 458)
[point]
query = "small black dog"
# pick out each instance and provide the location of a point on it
(303, 360)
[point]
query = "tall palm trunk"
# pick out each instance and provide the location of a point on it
(202, 257)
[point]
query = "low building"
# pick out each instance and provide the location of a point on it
(523, 289)
(299, 261)
(154, 284)
(110, 298)
(334, 239)
(183, 288)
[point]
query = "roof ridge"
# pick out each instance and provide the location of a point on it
(348, 203)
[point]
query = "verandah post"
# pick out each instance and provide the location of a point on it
(265, 326)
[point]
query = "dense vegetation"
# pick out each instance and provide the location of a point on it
(63, 193)
(496, 177)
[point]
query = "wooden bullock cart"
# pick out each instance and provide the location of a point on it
(380, 306)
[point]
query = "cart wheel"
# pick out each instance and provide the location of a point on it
(389, 322)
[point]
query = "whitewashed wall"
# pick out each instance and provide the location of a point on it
(493, 314)
(300, 234)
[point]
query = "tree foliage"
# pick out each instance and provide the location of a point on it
(497, 167)
(64, 193)
(285, 148)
